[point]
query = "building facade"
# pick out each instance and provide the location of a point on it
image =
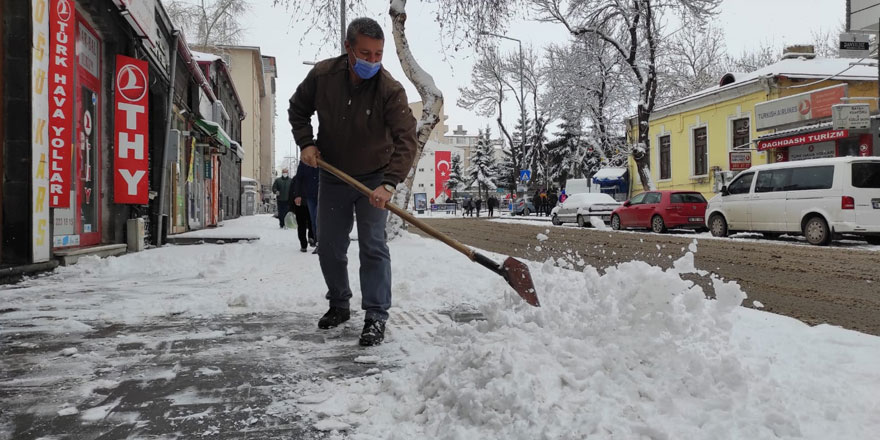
(701, 141)
(108, 108)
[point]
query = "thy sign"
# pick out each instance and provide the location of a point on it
(130, 129)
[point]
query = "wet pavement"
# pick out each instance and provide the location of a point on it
(229, 377)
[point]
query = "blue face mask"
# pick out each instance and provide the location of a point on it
(366, 69)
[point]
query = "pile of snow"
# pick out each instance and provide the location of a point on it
(637, 352)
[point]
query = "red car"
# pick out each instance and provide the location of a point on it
(662, 210)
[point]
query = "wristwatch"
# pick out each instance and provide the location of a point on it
(389, 187)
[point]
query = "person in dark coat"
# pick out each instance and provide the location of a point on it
(478, 204)
(281, 188)
(538, 202)
(304, 202)
(492, 203)
(552, 199)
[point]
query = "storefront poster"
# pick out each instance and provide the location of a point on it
(61, 63)
(420, 201)
(40, 246)
(815, 104)
(812, 151)
(130, 131)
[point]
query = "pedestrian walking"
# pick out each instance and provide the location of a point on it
(281, 189)
(552, 199)
(537, 201)
(478, 204)
(492, 203)
(562, 196)
(366, 129)
(304, 195)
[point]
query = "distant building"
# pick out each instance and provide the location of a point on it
(254, 77)
(777, 113)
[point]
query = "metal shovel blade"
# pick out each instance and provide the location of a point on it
(518, 276)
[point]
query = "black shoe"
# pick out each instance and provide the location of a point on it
(373, 333)
(334, 317)
(303, 250)
(316, 250)
(312, 242)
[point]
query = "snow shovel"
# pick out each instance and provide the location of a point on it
(514, 271)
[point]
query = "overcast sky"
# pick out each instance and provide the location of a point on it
(746, 23)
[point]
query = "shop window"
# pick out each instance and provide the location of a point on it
(741, 135)
(701, 152)
(665, 158)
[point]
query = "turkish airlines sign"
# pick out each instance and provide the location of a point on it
(130, 132)
(803, 139)
(441, 172)
(61, 92)
(796, 108)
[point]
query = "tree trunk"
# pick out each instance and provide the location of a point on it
(432, 101)
(640, 155)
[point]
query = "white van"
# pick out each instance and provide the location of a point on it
(819, 198)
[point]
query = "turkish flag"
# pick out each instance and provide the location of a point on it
(441, 172)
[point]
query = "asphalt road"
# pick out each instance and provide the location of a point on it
(838, 285)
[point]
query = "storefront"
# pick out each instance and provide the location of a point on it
(818, 141)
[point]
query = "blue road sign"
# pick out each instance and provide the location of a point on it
(525, 175)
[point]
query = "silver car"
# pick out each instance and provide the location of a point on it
(578, 208)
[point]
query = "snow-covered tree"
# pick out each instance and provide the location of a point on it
(456, 180)
(691, 61)
(634, 29)
(483, 169)
(209, 23)
(486, 95)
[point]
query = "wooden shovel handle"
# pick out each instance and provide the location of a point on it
(398, 211)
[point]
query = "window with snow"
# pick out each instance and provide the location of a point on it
(701, 152)
(665, 157)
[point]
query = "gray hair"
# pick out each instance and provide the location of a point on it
(363, 26)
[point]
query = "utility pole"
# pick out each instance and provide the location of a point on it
(342, 26)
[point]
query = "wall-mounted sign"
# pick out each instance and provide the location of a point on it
(802, 139)
(131, 127)
(853, 45)
(851, 116)
(40, 243)
(61, 61)
(740, 160)
(815, 104)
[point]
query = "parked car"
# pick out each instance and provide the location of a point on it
(819, 198)
(662, 210)
(578, 208)
(522, 207)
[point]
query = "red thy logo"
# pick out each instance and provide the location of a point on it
(63, 10)
(132, 83)
(804, 107)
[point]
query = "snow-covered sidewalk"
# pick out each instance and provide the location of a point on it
(215, 339)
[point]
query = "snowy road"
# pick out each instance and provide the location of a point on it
(219, 341)
(839, 285)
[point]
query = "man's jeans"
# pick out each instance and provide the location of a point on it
(283, 207)
(337, 204)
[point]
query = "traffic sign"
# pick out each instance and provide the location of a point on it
(525, 175)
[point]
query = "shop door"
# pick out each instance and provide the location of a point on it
(87, 152)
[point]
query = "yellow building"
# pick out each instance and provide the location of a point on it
(699, 142)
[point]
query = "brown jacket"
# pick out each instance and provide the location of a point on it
(361, 129)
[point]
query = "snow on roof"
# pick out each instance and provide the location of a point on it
(609, 173)
(840, 69)
(204, 57)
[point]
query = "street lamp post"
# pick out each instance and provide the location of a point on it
(521, 93)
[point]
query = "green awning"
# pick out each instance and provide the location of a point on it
(214, 130)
